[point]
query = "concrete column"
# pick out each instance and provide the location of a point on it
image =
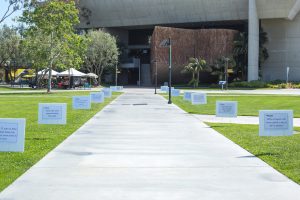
(253, 42)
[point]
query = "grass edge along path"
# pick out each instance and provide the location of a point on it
(247, 105)
(282, 153)
(39, 139)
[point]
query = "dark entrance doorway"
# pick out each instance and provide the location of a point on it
(133, 76)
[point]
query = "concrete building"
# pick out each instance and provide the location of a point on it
(133, 23)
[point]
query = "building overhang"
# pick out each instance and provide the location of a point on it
(116, 13)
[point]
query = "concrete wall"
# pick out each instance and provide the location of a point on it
(283, 47)
(126, 13)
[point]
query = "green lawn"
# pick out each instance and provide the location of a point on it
(40, 139)
(248, 105)
(282, 153)
(16, 88)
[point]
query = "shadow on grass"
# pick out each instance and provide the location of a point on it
(39, 139)
(259, 155)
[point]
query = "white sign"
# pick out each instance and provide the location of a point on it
(97, 97)
(52, 113)
(276, 123)
(12, 135)
(198, 98)
(226, 109)
(164, 88)
(119, 88)
(82, 102)
(187, 96)
(116, 88)
(175, 92)
(172, 88)
(113, 88)
(107, 92)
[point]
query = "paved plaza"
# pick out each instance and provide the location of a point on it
(141, 148)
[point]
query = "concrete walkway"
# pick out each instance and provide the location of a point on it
(140, 148)
(238, 120)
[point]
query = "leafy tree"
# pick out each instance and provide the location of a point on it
(221, 67)
(11, 54)
(195, 66)
(240, 51)
(102, 52)
(263, 51)
(13, 6)
(9, 40)
(50, 37)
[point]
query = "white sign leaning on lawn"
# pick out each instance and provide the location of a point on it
(107, 92)
(226, 109)
(97, 97)
(12, 135)
(276, 123)
(187, 96)
(82, 102)
(164, 88)
(52, 113)
(116, 88)
(119, 88)
(175, 92)
(113, 88)
(198, 98)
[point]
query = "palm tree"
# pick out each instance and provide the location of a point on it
(240, 54)
(221, 66)
(263, 52)
(195, 66)
(240, 51)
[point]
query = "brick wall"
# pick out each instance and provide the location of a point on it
(207, 43)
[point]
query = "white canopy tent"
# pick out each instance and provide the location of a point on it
(72, 72)
(92, 75)
(54, 73)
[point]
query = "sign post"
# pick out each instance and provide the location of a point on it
(287, 74)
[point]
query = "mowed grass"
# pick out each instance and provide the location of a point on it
(248, 105)
(282, 153)
(16, 88)
(40, 139)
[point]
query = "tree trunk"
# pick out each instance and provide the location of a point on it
(197, 78)
(50, 78)
(70, 83)
(194, 80)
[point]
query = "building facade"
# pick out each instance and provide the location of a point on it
(133, 22)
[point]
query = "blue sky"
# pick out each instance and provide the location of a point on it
(9, 21)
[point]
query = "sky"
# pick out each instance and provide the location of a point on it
(9, 21)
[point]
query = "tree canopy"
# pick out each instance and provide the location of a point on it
(50, 36)
(195, 66)
(102, 52)
(13, 6)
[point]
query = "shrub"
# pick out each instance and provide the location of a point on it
(251, 84)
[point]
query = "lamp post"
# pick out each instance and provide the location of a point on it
(287, 74)
(155, 91)
(226, 72)
(116, 78)
(168, 43)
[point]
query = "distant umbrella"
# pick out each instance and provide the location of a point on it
(92, 75)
